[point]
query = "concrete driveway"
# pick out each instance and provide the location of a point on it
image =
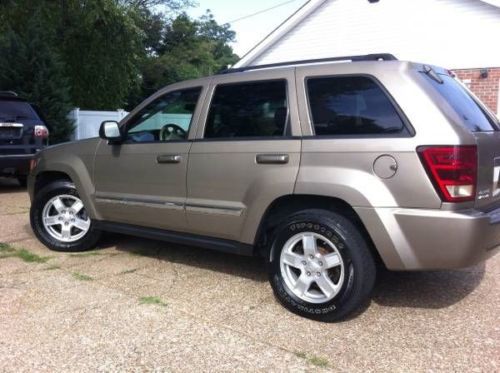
(142, 305)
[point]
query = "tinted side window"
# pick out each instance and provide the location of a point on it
(351, 106)
(473, 116)
(165, 119)
(257, 109)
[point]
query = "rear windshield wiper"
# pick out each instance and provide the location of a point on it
(429, 71)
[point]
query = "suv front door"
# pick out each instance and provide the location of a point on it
(245, 155)
(142, 181)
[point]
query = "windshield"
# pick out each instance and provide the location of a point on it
(13, 110)
(474, 117)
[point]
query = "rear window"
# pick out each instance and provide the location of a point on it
(13, 110)
(353, 105)
(473, 116)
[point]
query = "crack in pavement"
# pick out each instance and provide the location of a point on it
(23, 211)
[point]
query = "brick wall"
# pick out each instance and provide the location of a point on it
(484, 88)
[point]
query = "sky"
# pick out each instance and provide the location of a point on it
(251, 30)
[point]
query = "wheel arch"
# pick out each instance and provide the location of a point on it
(81, 180)
(289, 204)
(48, 177)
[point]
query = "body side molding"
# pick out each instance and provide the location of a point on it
(217, 244)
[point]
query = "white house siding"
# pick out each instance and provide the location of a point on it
(448, 33)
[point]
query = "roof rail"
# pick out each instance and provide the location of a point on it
(8, 93)
(365, 57)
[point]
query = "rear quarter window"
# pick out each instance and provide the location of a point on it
(473, 116)
(351, 105)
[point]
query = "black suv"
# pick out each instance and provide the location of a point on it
(22, 134)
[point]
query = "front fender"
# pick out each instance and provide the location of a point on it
(75, 160)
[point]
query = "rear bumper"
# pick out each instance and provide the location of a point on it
(14, 165)
(15, 159)
(419, 239)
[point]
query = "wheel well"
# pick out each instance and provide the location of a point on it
(286, 205)
(45, 178)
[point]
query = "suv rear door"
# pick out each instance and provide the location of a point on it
(245, 154)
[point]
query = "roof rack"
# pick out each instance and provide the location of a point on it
(365, 57)
(8, 93)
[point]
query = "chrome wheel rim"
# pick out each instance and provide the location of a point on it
(65, 218)
(312, 267)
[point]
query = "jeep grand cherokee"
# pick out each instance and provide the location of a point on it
(322, 168)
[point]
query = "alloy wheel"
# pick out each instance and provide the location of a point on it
(312, 267)
(65, 219)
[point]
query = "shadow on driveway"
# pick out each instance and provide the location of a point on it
(430, 290)
(243, 266)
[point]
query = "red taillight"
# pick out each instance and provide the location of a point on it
(452, 169)
(41, 131)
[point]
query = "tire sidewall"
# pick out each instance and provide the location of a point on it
(346, 245)
(36, 219)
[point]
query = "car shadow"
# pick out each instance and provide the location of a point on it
(430, 289)
(242, 266)
(427, 290)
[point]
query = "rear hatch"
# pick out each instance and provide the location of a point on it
(484, 126)
(488, 183)
(10, 130)
(17, 122)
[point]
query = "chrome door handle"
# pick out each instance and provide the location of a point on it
(168, 158)
(271, 158)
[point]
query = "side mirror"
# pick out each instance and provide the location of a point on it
(110, 131)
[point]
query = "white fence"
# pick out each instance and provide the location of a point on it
(87, 122)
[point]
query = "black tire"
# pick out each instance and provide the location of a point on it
(23, 181)
(87, 242)
(359, 265)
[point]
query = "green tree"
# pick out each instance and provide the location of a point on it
(98, 40)
(101, 47)
(152, 26)
(114, 53)
(188, 49)
(171, 5)
(30, 66)
(219, 37)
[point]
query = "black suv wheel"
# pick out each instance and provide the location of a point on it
(320, 265)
